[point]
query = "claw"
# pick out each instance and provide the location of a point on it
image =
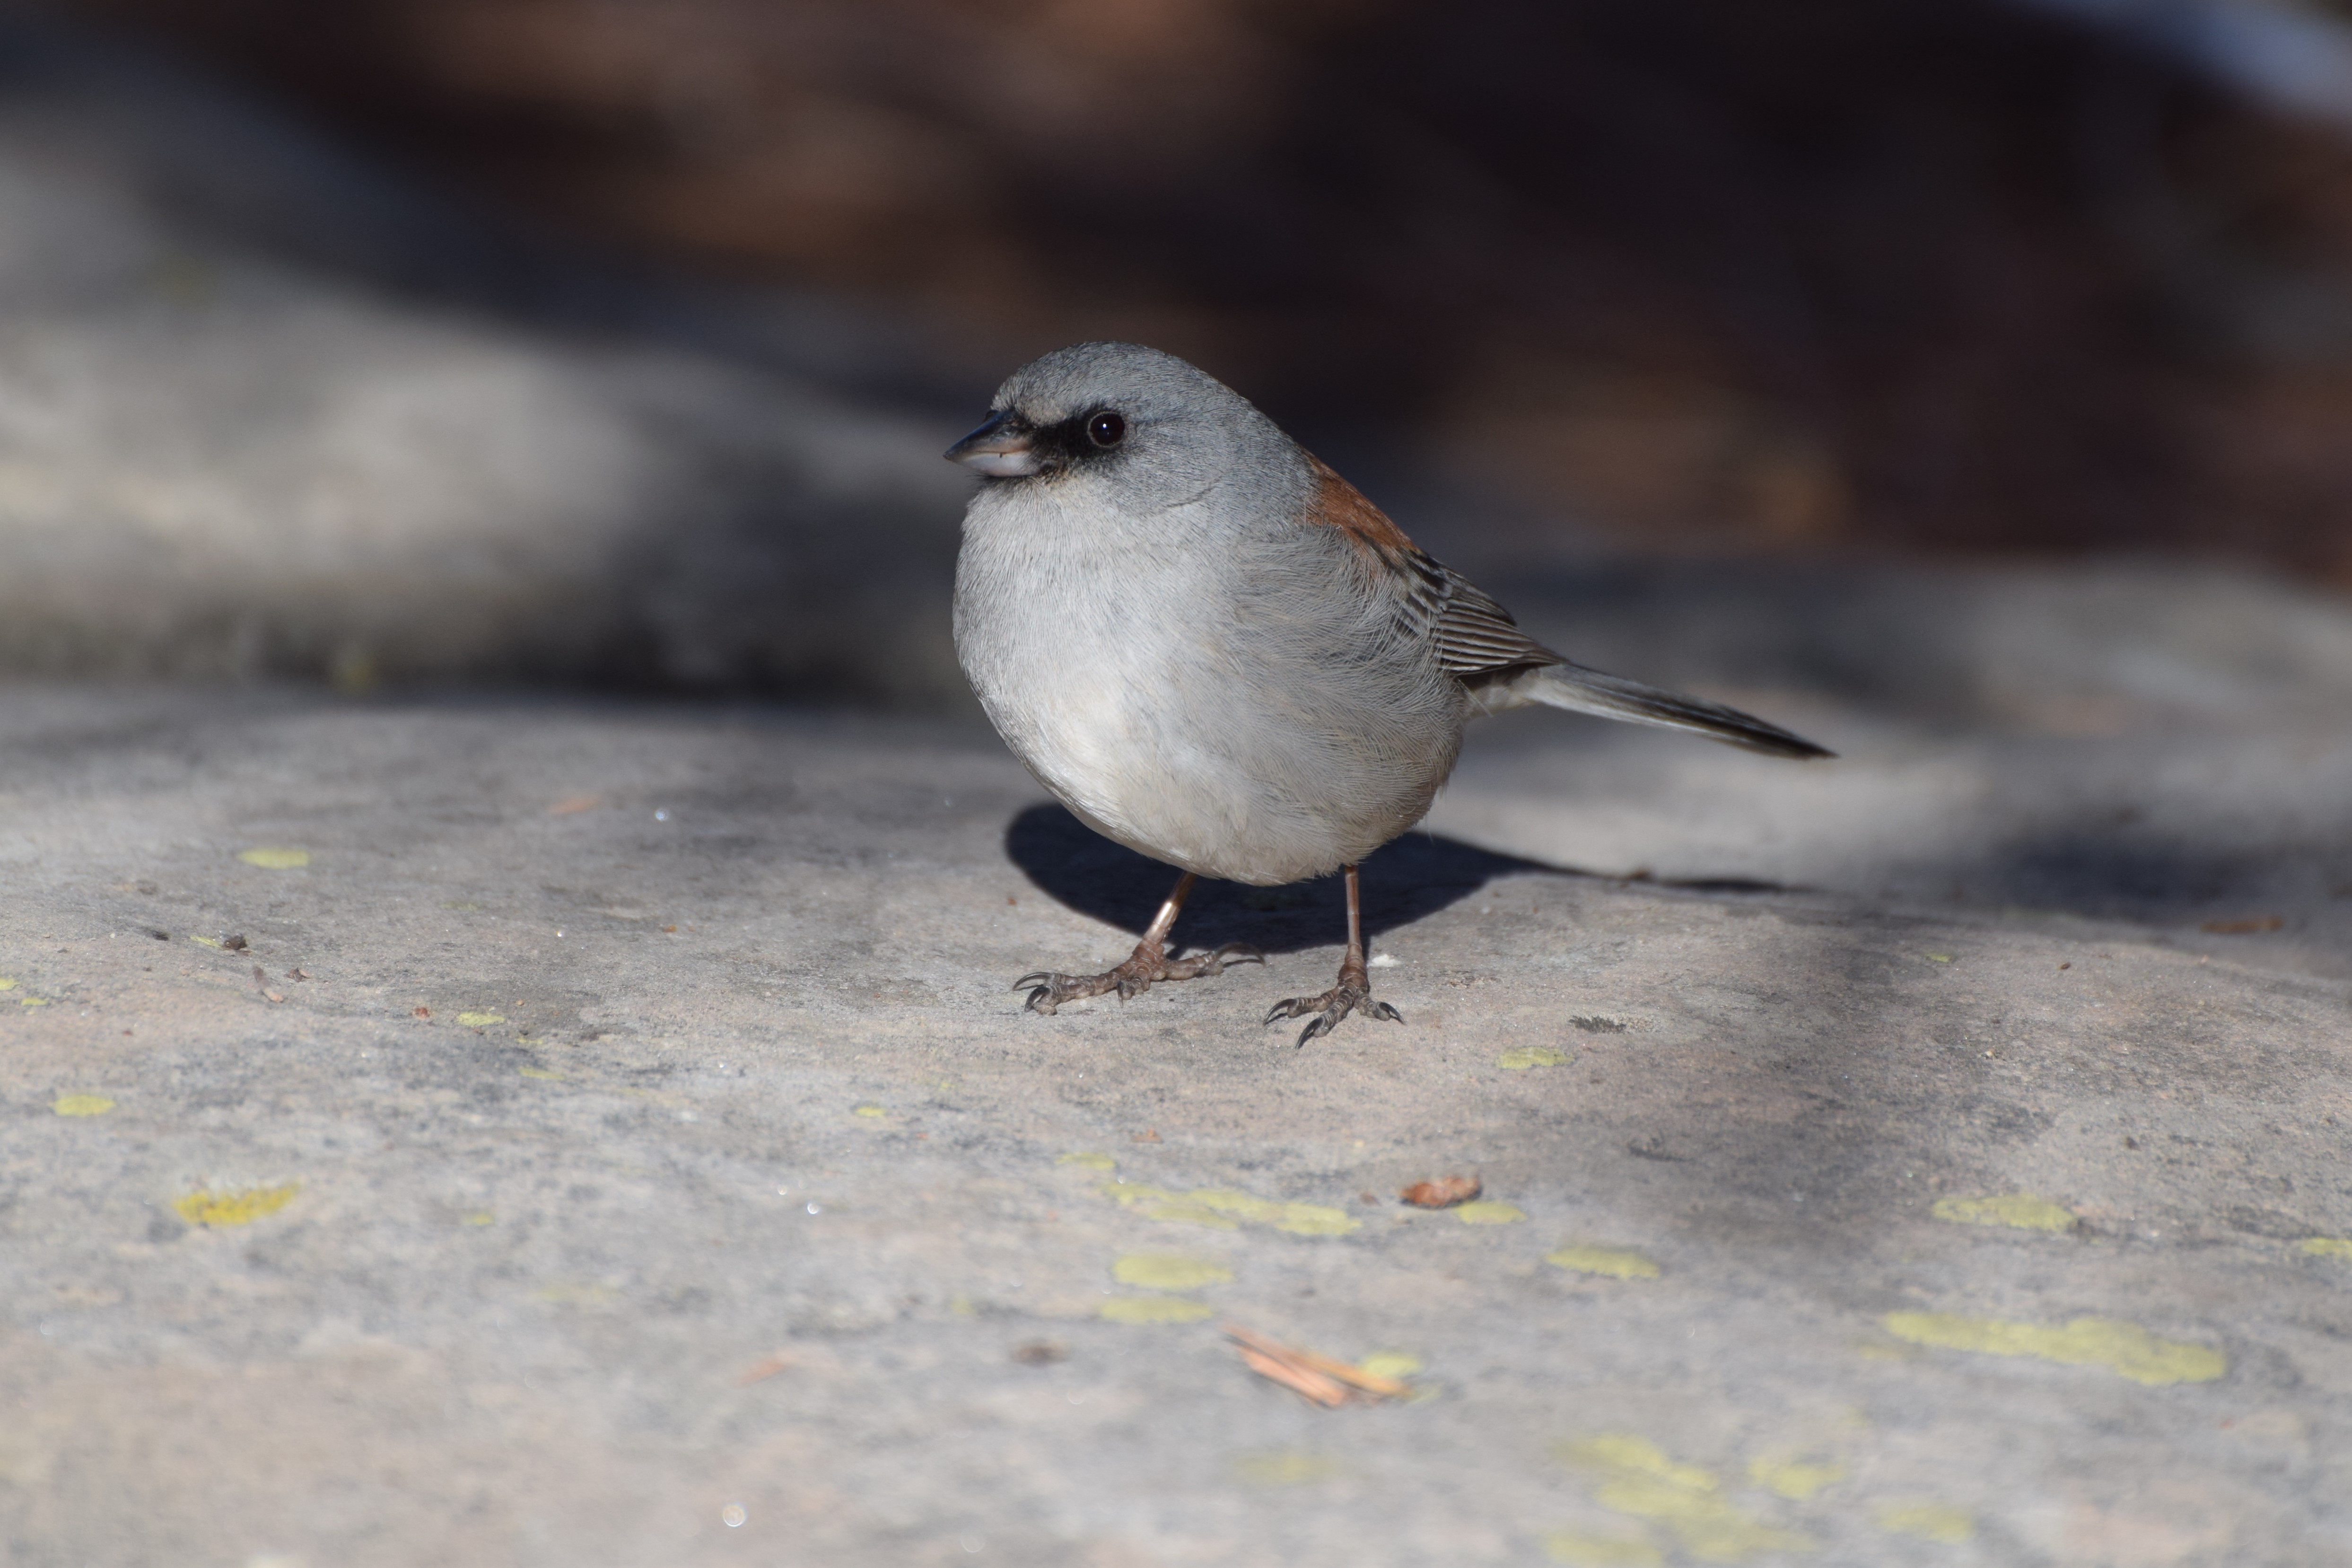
(1041, 986)
(1331, 1007)
(1149, 964)
(1209, 962)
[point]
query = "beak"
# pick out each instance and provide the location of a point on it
(1000, 448)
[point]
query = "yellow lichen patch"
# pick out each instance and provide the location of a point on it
(1488, 1213)
(480, 1020)
(1620, 1451)
(1710, 1529)
(870, 1112)
(1533, 1056)
(33, 1002)
(1284, 1467)
(2327, 1247)
(1879, 1350)
(1176, 1210)
(1170, 1271)
(2017, 1211)
(1155, 1310)
(2126, 1349)
(1936, 1522)
(275, 857)
(481, 1217)
(1222, 1208)
(6, 983)
(1637, 1477)
(567, 1293)
(206, 1207)
(540, 1072)
(81, 1105)
(1602, 1551)
(1616, 1262)
(1396, 1364)
(1092, 1159)
(204, 941)
(1793, 1478)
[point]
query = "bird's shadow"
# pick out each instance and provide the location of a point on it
(1418, 875)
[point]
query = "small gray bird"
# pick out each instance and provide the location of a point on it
(1215, 652)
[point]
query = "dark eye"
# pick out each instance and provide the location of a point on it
(1106, 429)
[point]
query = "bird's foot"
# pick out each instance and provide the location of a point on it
(1352, 995)
(1147, 963)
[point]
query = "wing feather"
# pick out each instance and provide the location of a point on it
(1475, 638)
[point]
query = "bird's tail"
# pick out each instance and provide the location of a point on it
(1583, 691)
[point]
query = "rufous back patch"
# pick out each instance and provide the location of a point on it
(1341, 505)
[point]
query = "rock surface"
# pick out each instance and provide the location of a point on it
(511, 1129)
(629, 1151)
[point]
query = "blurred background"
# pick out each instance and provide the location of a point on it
(615, 341)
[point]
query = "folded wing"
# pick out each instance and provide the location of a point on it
(1503, 668)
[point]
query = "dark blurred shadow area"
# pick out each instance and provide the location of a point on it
(1407, 879)
(1937, 273)
(551, 340)
(267, 409)
(1412, 877)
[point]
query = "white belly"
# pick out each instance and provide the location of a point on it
(1152, 701)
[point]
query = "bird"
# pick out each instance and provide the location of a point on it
(1214, 650)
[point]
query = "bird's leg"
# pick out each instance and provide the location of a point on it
(1148, 963)
(1353, 991)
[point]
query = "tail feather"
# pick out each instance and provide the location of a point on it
(1583, 690)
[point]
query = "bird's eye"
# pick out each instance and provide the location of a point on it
(1106, 429)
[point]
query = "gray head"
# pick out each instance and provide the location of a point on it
(1145, 429)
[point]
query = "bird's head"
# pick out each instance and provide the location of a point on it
(1142, 429)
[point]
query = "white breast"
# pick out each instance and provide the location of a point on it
(1161, 693)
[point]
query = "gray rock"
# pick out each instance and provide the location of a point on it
(654, 1146)
(629, 1151)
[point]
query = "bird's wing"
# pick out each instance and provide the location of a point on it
(1478, 644)
(1476, 639)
